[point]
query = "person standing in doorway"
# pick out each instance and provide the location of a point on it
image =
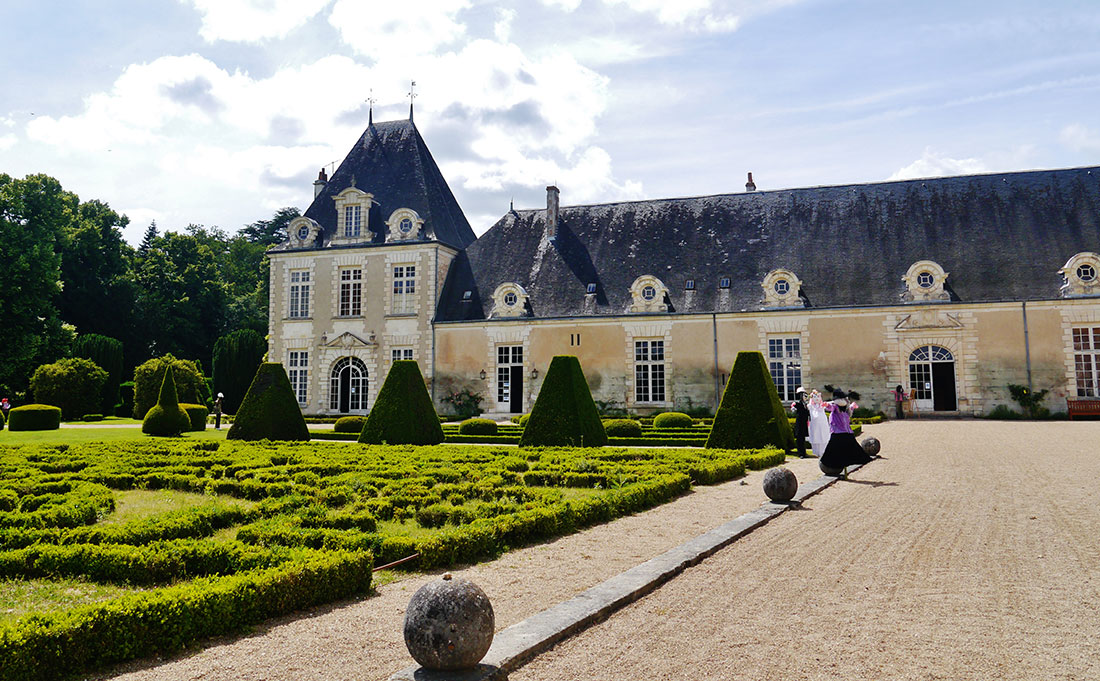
(218, 412)
(801, 420)
(899, 401)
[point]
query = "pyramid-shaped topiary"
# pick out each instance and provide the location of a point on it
(564, 413)
(270, 410)
(403, 413)
(166, 417)
(750, 415)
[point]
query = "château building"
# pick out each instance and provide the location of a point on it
(952, 287)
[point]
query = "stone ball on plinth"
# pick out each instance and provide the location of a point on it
(780, 484)
(871, 446)
(828, 470)
(449, 624)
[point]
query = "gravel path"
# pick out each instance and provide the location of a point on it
(362, 640)
(971, 552)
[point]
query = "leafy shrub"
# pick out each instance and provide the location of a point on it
(465, 402)
(197, 415)
(672, 419)
(1003, 411)
(564, 413)
(166, 418)
(403, 412)
(125, 407)
(622, 428)
(1029, 400)
(270, 410)
(478, 427)
(523, 419)
(750, 415)
(237, 355)
(867, 413)
(75, 385)
(88, 418)
(349, 424)
(149, 377)
(106, 352)
(34, 417)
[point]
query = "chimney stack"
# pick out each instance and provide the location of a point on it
(320, 183)
(750, 186)
(552, 212)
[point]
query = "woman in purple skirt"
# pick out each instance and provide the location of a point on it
(843, 450)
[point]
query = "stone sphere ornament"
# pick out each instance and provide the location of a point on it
(780, 484)
(828, 470)
(871, 446)
(449, 624)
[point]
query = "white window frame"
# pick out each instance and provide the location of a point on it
(299, 302)
(650, 382)
(1086, 360)
(404, 289)
(298, 373)
(508, 356)
(785, 364)
(353, 220)
(351, 292)
(402, 353)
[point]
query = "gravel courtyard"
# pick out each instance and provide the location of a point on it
(970, 552)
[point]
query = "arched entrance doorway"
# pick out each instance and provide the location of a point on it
(348, 386)
(932, 378)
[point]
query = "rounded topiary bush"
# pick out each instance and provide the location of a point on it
(148, 377)
(622, 428)
(478, 427)
(270, 410)
(197, 415)
(75, 385)
(166, 418)
(349, 424)
(91, 417)
(672, 419)
(34, 417)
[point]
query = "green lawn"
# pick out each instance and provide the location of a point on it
(95, 434)
(134, 504)
(20, 597)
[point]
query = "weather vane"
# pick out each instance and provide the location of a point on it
(370, 100)
(411, 96)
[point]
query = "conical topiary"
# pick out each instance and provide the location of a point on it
(564, 413)
(750, 415)
(166, 417)
(270, 410)
(403, 413)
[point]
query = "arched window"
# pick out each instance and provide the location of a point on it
(348, 386)
(932, 378)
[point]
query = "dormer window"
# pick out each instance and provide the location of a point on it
(353, 221)
(1080, 275)
(724, 282)
(1086, 273)
(303, 232)
(404, 224)
(591, 288)
(510, 300)
(782, 289)
(352, 210)
(925, 282)
(689, 285)
(466, 296)
(649, 294)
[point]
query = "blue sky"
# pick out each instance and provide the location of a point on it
(219, 112)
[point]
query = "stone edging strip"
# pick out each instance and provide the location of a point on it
(519, 643)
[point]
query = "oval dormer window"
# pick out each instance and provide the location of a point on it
(649, 293)
(303, 232)
(406, 225)
(925, 279)
(1086, 273)
(782, 287)
(510, 299)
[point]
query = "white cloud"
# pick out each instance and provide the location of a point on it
(933, 164)
(7, 142)
(1079, 138)
(398, 30)
(691, 14)
(253, 20)
(502, 29)
(566, 5)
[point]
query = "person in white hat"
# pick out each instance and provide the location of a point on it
(218, 411)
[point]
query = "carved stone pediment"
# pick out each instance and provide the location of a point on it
(349, 340)
(928, 319)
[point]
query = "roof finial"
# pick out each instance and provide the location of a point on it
(370, 104)
(512, 205)
(411, 96)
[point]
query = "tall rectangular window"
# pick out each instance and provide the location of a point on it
(400, 353)
(785, 364)
(508, 356)
(299, 293)
(298, 373)
(649, 371)
(1086, 361)
(404, 289)
(351, 292)
(353, 220)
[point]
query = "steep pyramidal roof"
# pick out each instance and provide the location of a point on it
(392, 162)
(1000, 237)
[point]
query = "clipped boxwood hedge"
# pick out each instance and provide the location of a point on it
(197, 414)
(622, 428)
(478, 427)
(270, 410)
(34, 417)
(403, 412)
(89, 418)
(166, 418)
(349, 424)
(564, 413)
(672, 419)
(750, 415)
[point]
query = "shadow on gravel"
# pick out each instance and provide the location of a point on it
(870, 483)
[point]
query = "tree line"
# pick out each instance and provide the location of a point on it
(66, 271)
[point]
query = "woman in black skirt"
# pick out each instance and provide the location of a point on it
(843, 450)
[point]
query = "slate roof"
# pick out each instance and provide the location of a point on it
(1001, 237)
(391, 161)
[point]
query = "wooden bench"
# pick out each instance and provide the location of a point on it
(1083, 406)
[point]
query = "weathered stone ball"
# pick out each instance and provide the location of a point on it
(449, 624)
(871, 445)
(828, 470)
(780, 484)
